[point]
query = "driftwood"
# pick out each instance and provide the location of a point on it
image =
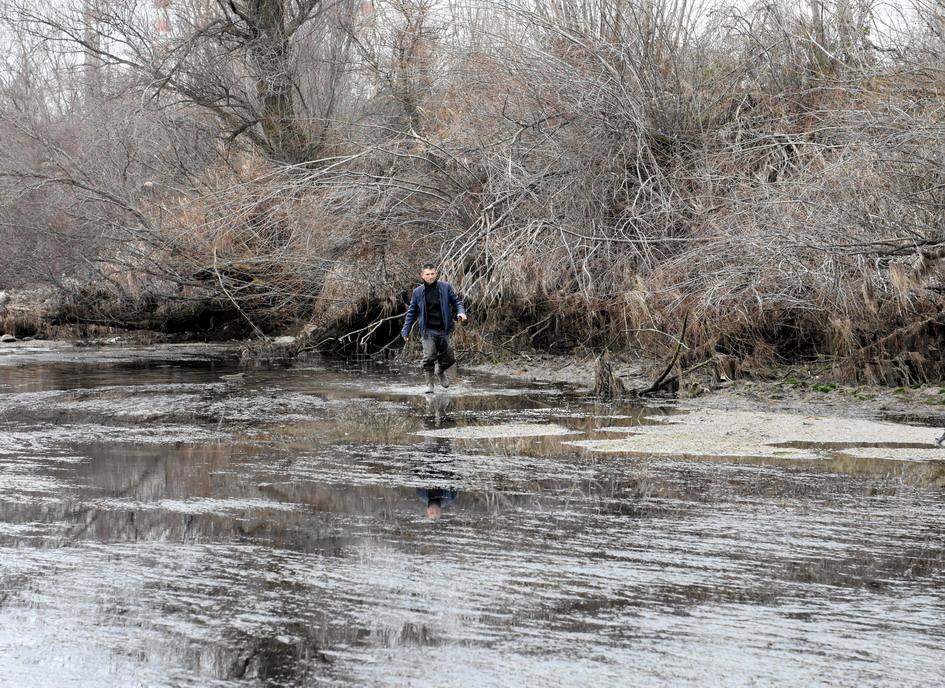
(608, 386)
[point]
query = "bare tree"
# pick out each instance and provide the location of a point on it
(589, 172)
(236, 60)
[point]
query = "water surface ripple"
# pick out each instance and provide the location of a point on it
(167, 520)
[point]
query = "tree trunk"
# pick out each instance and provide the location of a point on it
(91, 66)
(274, 86)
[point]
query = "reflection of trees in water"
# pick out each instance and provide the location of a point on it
(862, 568)
(304, 659)
(275, 661)
(143, 474)
(150, 473)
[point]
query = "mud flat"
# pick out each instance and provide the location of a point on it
(715, 432)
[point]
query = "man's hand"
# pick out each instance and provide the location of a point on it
(406, 339)
(461, 317)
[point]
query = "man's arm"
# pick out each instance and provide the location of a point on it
(456, 303)
(412, 312)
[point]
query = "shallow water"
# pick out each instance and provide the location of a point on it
(166, 520)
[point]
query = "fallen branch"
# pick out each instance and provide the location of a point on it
(368, 329)
(673, 378)
(664, 379)
(216, 272)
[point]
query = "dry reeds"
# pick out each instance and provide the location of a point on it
(626, 166)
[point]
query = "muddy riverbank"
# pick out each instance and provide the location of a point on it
(170, 518)
(796, 389)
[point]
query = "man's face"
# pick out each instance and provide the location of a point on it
(428, 276)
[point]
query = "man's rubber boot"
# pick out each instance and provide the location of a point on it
(429, 380)
(445, 376)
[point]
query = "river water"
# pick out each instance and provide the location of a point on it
(169, 520)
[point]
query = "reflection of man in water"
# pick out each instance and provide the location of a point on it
(438, 415)
(435, 466)
(435, 499)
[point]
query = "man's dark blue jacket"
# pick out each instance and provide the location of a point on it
(418, 308)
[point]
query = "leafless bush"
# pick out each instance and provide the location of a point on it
(588, 173)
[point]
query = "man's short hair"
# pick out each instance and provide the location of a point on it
(428, 266)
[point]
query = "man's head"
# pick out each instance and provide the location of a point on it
(429, 273)
(434, 509)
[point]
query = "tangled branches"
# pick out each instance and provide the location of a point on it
(771, 173)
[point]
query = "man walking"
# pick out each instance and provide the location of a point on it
(432, 307)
